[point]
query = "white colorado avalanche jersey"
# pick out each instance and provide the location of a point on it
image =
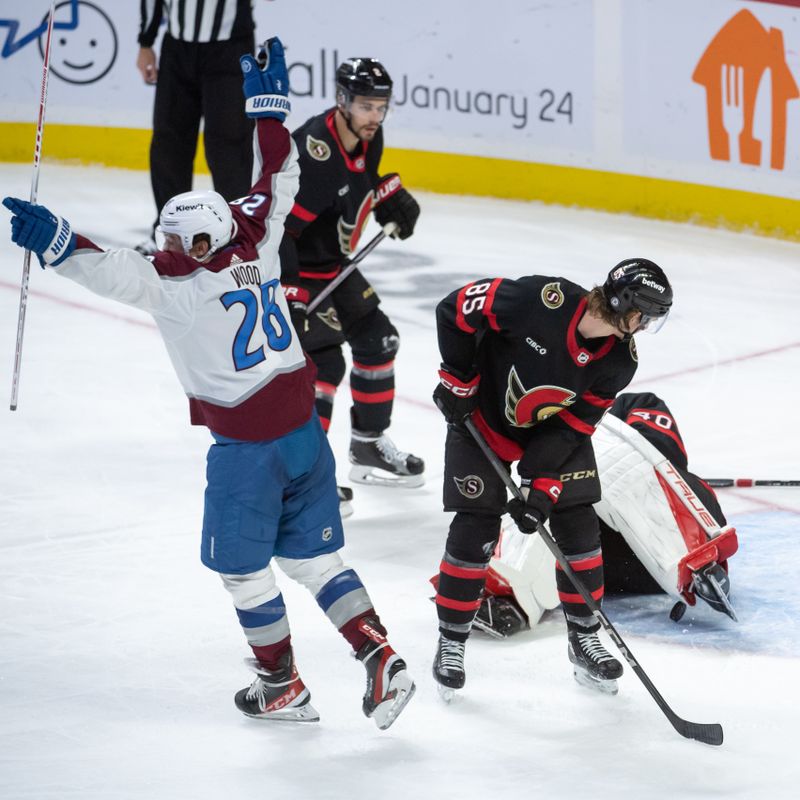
(225, 322)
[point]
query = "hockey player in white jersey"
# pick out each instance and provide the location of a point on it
(662, 529)
(213, 289)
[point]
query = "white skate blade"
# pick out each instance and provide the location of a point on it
(306, 713)
(374, 476)
(447, 693)
(402, 689)
(583, 677)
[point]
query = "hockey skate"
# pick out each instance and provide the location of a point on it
(448, 667)
(499, 617)
(713, 585)
(389, 686)
(593, 665)
(377, 462)
(345, 506)
(278, 695)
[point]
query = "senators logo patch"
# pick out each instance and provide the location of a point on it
(632, 347)
(350, 233)
(524, 408)
(317, 149)
(552, 296)
(471, 486)
(330, 319)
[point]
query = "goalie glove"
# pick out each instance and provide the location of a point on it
(39, 230)
(532, 512)
(456, 396)
(266, 82)
(394, 204)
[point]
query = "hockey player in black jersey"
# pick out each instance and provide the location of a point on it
(536, 362)
(340, 152)
(662, 529)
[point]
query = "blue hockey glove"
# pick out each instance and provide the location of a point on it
(39, 230)
(266, 82)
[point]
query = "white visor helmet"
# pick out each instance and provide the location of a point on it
(191, 213)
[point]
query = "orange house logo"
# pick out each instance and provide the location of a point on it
(731, 69)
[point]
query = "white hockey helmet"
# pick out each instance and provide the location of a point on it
(191, 213)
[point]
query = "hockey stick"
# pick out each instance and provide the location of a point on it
(725, 483)
(351, 263)
(702, 732)
(26, 260)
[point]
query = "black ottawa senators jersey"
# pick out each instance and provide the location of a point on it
(336, 196)
(543, 387)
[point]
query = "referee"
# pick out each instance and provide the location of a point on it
(198, 77)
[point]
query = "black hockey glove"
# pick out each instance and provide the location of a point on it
(456, 396)
(297, 297)
(533, 512)
(394, 204)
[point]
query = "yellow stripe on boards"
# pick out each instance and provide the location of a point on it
(606, 191)
(126, 148)
(459, 174)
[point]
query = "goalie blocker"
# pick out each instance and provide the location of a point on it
(662, 527)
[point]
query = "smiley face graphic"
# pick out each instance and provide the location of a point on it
(84, 45)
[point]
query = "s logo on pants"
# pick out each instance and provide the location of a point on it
(471, 486)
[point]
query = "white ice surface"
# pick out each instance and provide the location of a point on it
(120, 653)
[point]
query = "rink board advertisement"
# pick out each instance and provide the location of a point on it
(670, 108)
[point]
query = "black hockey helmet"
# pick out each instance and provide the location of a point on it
(362, 76)
(638, 284)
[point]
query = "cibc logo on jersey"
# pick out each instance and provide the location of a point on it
(526, 407)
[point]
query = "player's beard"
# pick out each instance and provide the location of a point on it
(366, 133)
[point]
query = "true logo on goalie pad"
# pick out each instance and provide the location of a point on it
(471, 487)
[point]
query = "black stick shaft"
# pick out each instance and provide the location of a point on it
(725, 483)
(707, 733)
(349, 266)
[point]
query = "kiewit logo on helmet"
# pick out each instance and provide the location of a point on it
(194, 207)
(653, 285)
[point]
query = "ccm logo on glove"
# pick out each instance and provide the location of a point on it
(457, 387)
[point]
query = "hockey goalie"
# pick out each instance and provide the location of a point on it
(662, 527)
